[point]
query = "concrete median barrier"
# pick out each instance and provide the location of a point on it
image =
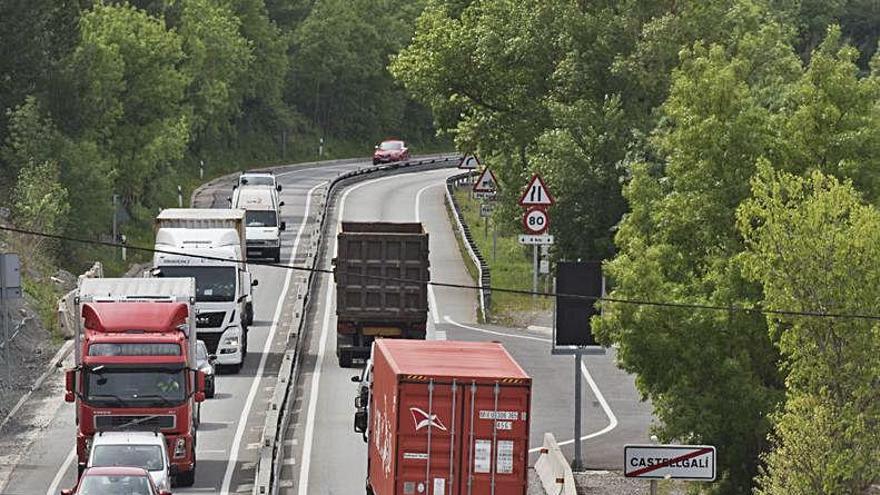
(553, 469)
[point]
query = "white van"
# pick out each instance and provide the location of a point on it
(262, 220)
(141, 449)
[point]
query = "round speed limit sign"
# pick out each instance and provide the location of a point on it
(536, 221)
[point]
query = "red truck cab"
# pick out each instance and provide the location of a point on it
(135, 370)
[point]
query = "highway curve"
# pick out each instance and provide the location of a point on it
(327, 457)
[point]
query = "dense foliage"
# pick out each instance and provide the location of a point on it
(103, 97)
(696, 146)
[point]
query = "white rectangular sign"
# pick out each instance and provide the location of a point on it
(680, 462)
(536, 239)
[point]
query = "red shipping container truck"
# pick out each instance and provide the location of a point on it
(447, 418)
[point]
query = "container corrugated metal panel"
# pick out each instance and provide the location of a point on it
(448, 418)
(181, 289)
(204, 218)
(370, 257)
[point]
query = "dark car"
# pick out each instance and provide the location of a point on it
(392, 150)
(113, 480)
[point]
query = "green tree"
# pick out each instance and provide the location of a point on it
(711, 376)
(39, 203)
(217, 61)
(813, 244)
(131, 91)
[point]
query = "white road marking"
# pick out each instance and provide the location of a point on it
(56, 481)
(308, 437)
(491, 332)
(612, 419)
(431, 298)
(242, 420)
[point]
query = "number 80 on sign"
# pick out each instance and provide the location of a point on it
(536, 221)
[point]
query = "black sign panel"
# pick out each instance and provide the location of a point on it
(573, 314)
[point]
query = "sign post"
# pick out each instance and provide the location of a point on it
(571, 327)
(485, 188)
(679, 462)
(535, 199)
(10, 288)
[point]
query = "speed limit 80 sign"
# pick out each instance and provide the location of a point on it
(536, 221)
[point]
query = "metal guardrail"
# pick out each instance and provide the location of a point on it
(277, 420)
(484, 279)
(553, 470)
(67, 304)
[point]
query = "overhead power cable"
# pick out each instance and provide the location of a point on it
(605, 299)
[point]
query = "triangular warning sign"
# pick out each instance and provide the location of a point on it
(487, 182)
(536, 193)
(469, 162)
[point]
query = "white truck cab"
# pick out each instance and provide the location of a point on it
(214, 258)
(262, 220)
(143, 449)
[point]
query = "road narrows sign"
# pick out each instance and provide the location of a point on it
(536, 221)
(469, 162)
(536, 194)
(682, 462)
(486, 183)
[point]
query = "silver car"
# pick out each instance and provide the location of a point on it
(205, 364)
(141, 449)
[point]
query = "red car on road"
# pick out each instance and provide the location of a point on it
(391, 150)
(115, 480)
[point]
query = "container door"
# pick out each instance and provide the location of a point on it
(429, 439)
(495, 432)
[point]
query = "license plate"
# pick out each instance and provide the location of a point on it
(382, 331)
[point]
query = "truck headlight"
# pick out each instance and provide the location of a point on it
(180, 447)
(231, 341)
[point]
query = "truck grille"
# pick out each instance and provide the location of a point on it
(211, 340)
(210, 319)
(143, 422)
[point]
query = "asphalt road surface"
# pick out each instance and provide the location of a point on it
(231, 423)
(327, 457)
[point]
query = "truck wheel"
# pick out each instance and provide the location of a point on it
(277, 257)
(244, 343)
(249, 313)
(209, 391)
(369, 489)
(236, 368)
(187, 478)
(345, 359)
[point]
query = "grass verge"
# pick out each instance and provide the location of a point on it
(510, 266)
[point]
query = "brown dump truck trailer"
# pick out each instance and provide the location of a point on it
(381, 272)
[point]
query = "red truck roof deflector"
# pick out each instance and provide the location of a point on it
(443, 358)
(125, 316)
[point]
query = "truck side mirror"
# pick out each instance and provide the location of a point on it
(69, 385)
(200, 387)
(356, 379)
(278, 187)
(283, 226)
(212, 358)
(281, 203)
(255, 283)
(360, 422)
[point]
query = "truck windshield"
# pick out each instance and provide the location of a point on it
(147, 387)
(148, 457)
(213, 283)
(257, 180)
(260, 218)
